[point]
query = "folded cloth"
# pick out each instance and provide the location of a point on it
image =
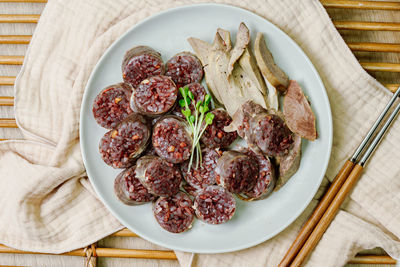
(48, 204)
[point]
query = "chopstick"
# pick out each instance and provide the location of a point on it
(324, 213)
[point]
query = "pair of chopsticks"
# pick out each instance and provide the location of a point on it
(344, 181)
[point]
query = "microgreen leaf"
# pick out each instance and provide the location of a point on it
(207, 99)
(190, 94)
(182, 103)
(198, 104)
(197, 120)
(209, 118)
(186, 112)
(182, 91)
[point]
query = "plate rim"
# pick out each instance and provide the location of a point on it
(294, 216)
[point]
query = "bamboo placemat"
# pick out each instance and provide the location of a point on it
(371, 29)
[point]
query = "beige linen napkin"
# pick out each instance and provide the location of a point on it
(47, 202)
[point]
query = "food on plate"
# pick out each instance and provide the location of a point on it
(263, 129)
(299, 117)
(158, 176)
(266, 63)
(237, 172)
(245, 72)
(199, 94)
(120, 147)
(184, 68)
(111, 105)
(289, 164)
(231, 79)
(154, 96)
(141, 62)
(172, 139)
(266, 134)
(175, 213)
(189, 189)
(193, 144)
(266, 176)
(197, 121)
(204, 175)
(129, 189)
(214, 205)
(242, 117)
(270, 133)
(215, 136)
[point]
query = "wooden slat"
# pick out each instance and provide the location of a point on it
(15, 39)
(135, 253)
(170, 255)
(19, 18)
(11, 60)
(108, 252)
(372, 259)
(6, 101)
(7, 80)
(378, 66)
(361, 4)
(8, 123)
(374, 47)
(326, 3)
(367, 26)
(125, 233)
(392, 86)
(341, 25)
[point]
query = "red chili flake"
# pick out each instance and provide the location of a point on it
(217, 179)
(166, 218)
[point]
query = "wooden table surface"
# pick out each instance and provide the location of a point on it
(9, 66)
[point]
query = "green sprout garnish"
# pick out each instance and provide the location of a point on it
(198, 121)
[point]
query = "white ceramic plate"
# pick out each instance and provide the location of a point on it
(253, 222)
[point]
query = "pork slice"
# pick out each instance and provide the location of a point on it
(289, 164)
(230, 94)
(242, 42)
(226, 36)
(299, 116)
(249, 89)
(273, 97)
(267, 65)
(203, 50)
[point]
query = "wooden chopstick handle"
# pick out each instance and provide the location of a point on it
(317, 214)
(328, 216)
